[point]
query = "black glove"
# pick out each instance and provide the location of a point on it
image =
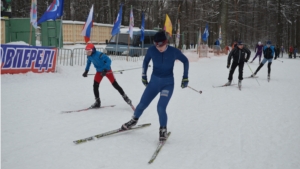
(228, 66)
(275, 58)
(85, 73)
(103, 73)
(144, 80)
(184, 82)
(246, 60)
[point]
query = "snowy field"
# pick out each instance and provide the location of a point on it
(222, 128)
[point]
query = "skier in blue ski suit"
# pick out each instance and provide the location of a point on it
(162, 81)
(269, 52)
(102, 63)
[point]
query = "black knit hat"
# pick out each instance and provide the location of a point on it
(160, 36)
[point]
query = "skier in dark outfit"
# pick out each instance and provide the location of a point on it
(162, 81)
(277, 51)
(268, 57)
(102, 64)
(238, 57)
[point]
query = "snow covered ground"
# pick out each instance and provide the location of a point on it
(222, 128)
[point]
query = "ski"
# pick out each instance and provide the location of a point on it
(109, 133)
(224, 85)
(250, 77)
(160, 145)
(87, 109)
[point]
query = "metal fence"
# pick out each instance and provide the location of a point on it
(133, 55)
(64, 57)
(77, 56)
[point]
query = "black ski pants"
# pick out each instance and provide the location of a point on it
(115, 85)
(232, 69)
(261, 65)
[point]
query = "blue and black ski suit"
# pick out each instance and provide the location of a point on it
(162, 80)
(268, 57)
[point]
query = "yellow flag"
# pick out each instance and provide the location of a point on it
(168, 25)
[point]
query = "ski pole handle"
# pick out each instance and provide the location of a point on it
(195, 89)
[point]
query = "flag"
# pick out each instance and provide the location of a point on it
(54, 11)
(178, 34)
(33, 13)
(168, 25)
(142, 27)
(205, 34)
(86, 30)
(115, 30)
(131, 24)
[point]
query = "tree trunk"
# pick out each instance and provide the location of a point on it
(298, 30)
(224, 21)
(279, 33)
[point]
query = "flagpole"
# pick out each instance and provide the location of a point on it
(117, 43)
(116, 28)
(60, 32)
(142, 28)
(90, 35)
(30, 22)
(128, 47)
(30, 34)
(143, 48)
(130, 30)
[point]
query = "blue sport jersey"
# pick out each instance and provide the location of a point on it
(99, 60)
(163, 62)
(162, 80)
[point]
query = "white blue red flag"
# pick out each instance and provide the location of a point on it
(116, 29)
(131, 24)
(55, 10)
(33, 13)
(86, 31)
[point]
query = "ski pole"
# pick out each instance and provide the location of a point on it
(121, 71)
(279, 60)
(130, 69)
(195, 89)
(252, 73)
(110, 72)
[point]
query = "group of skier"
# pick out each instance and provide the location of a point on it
(293, 51)
(239, 54)
(163, 58)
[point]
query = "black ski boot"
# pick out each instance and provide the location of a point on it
(129, 124)
(254, 74)
(127, 100)
(240, 84)
(163, 134)
(268, 77)
(97, 104)
(228, 83)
